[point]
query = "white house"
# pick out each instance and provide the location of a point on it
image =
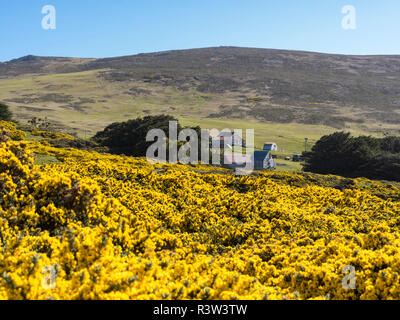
(236, 161)
(270, 146)
(230, 138)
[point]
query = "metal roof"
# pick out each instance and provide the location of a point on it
(260, 155)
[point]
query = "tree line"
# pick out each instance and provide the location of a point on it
(129, 137)
(363, 156)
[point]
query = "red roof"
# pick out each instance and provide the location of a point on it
(237, 158)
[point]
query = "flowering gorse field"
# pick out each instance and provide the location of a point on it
(116, 227)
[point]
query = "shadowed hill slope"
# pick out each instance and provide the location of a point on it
(267, 85)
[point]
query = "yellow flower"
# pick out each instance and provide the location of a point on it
(100, 226)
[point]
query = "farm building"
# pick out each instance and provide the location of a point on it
(230, 138)
(270, 146)
(296, 157)
(263, 160)
(235, 161)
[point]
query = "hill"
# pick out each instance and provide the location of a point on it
(223, 83)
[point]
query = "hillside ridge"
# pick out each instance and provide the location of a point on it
(227, 83)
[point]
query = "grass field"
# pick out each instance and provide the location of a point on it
(289, 137)
(84, 103)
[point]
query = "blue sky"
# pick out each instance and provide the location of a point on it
(100, 28)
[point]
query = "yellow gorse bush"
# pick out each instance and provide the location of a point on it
(52, 135)
(11, 130)
(116, 227)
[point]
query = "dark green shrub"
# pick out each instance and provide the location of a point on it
(5, 113)
(363, 156)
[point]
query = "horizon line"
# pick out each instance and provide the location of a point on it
(201, 48)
